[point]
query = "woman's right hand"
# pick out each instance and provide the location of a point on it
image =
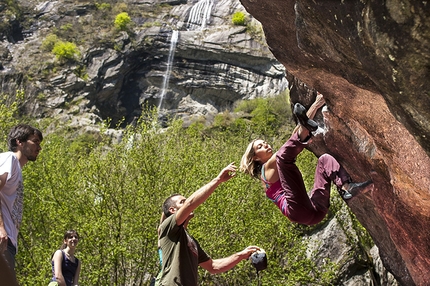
(319, 100)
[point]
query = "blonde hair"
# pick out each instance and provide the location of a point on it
(247, 164)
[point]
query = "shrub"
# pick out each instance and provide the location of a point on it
(239, 18)
(65, 50)
(122, 20)
(119, 7)
(103, 6)
(49, 42)
(267, 115)
(66, 27)
(9, 107)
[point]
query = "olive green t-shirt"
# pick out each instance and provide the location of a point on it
(181, 255)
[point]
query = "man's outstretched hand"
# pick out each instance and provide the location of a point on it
(246, 253)
(228, 172)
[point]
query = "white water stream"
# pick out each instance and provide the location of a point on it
(200, 14)
(166, 77)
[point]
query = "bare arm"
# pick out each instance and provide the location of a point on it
(224, 264)
(58, 272)
(200, 196)
(3, 233)
(318, 103)
(271, 170)
(78, 272)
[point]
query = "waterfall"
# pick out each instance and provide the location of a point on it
(200, 13)
(173, 41)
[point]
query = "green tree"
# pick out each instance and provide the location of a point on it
(122, 20)
(65, 50)
(267, 116)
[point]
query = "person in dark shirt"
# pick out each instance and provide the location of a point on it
(65, 266)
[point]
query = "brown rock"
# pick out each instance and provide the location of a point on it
(371, 61)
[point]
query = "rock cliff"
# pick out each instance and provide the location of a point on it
(371, 60)
(167, 58)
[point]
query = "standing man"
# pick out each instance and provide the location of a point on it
(181, 253)
(24, 145)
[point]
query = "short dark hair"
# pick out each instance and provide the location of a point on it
(21, 132)
(167, 204)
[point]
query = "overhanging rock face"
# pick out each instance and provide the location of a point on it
(371, 60)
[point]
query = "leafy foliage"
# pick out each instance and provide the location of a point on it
(103, 6)
(10, 10)
(122, 20)
(65, 50)
(267, 116)
(239, 19)
(49, 42)
(8, 115)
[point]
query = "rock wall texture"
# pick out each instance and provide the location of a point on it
(212, 63)
(371, 60)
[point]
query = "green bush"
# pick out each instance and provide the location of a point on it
(49, 42)
(239, 19)
(8, 115)
(66, 27)
(122, 20)
(103, 6)
(266, 115)
(65, 50)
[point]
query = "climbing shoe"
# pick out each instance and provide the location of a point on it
(346, 195)
(300, 112)
(354, 189)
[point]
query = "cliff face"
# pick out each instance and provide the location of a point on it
(168, 57)
(371, 61)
